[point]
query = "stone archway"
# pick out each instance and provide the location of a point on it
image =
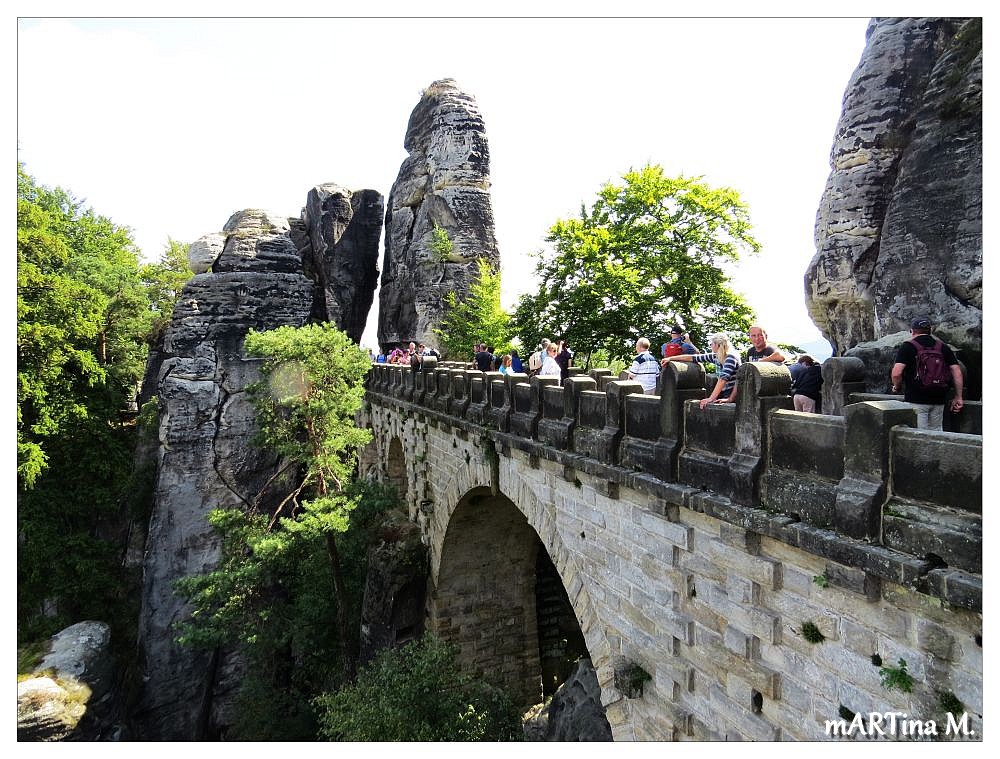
(500, 599)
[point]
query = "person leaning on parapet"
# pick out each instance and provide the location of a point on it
(926, 367)
(645, 369)
(550, 367)
(726, 360)
(677, 344)
(760, 350)
(807, 382)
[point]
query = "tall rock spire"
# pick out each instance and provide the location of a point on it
(899, 227)
(444, 182)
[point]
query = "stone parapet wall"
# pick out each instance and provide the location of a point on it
(831, 473)
(711, 597)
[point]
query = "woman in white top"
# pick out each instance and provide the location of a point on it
(549, 366)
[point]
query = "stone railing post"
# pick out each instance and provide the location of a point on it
(601, 376)
(501, 412)
(679, 382)
(459, 393)
(479, 409)
(763, 387)
(408, 385)
(842, 375)
(442, 378)
(528, 406)
(862, 491)
(559, 432)
(603, 444)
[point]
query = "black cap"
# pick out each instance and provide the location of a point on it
(675, 330)
(921, 322)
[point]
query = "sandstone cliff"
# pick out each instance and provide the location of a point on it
(443, 183)
(263, 271)
(899, 227)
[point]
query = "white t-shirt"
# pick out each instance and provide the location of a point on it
(645, 370)
(549, 367)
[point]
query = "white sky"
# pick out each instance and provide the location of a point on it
(168, 126)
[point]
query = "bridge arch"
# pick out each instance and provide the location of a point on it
(396, 471)
(504, 588)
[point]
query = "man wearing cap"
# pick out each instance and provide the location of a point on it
(923, 349)
(677, 345)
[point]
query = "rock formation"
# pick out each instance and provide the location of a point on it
(443, 183)
(343, 229)
(899, 228)
(392, 613)
(575, 712)
(69, 697)
(259, 274)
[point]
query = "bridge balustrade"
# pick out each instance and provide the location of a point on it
(866, 473)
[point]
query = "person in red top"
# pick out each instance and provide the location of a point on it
(928, 401)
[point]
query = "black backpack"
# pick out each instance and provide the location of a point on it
(932, 372)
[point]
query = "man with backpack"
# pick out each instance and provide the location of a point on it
(926, 367)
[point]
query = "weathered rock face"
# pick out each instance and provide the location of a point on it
(392, 613)
(70, 698)
(343, 229)
(262, 272)
(575, 712)
(899, 228)
(207, 459)
(445, 183)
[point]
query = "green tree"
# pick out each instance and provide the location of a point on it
(477, 318)
(418, 693)
(270, 595)
(83, 311)
(309, 392)
(164, 281)
(649, 253)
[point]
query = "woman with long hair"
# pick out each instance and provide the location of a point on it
(726, 360)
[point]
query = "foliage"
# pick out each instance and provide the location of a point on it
(896, 678)
(812, 633)
(441, 243)
(821, 580)
(271, 596)
(949, 702)
(164, 282)
(288, 588)
(648, 254)
(418, 693)
(477, 318)
(83, 311)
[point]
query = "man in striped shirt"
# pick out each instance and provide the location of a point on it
(645, 369)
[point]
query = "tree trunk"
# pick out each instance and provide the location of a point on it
(340, 594)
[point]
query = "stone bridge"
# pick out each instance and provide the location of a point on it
(739, 572)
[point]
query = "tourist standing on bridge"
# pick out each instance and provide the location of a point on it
(761, 350)
(677, 345)
(564, 358)
(484, 359)
(726, 361)
(645, 369)
(927, 368)
(550, 368)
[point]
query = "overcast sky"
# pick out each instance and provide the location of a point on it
(168, 126)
